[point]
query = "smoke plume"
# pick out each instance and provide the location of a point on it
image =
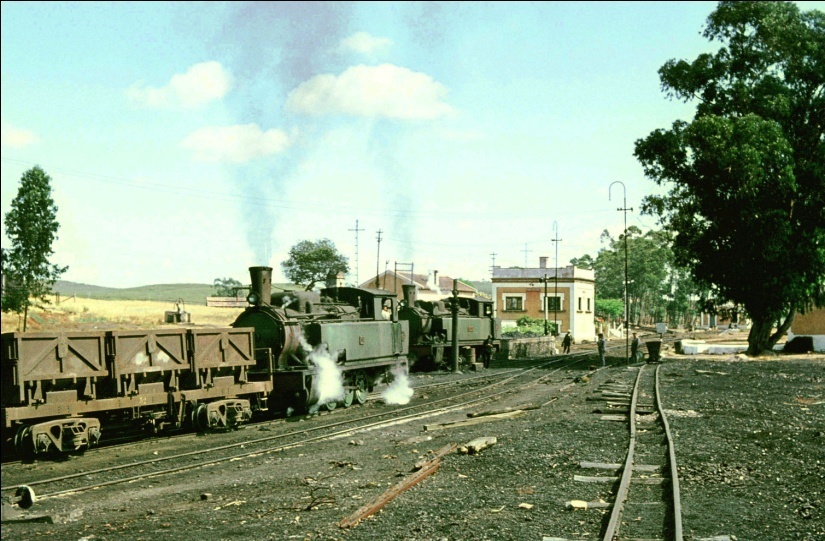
(328, 381)
(399, 392)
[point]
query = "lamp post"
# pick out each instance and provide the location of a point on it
(556, 241)
(545, 304)
(624, 210)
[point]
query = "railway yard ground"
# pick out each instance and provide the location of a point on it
(749, 437)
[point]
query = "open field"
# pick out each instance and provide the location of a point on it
(97, 314)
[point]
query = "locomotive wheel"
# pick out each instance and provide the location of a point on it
(331, 405)
(360, 393)
(349, 396)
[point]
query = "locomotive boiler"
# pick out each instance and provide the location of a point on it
(431, 330)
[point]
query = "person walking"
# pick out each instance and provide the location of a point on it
(634, 348)
(601, 343)
(565, 343)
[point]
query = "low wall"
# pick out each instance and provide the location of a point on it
(226, 302)
(522, 348)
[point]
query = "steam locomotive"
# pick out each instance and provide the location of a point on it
(431, 330)
(59, 390)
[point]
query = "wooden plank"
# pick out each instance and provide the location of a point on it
(594, 479)
(369, 509)
(525, 407)
(477, 420)
(613, 418)
(610, 466)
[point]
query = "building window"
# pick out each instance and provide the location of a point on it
(553, 304)
(513, 303)
(588, 304)
(580, 304)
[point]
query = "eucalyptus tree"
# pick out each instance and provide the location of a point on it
(747, 175)
(31, 226)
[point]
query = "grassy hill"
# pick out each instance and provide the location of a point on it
(192, 294)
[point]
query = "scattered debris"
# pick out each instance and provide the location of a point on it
(526, 505)
(710, 372)
(415, 439)
(477, 445)
(682, 413)
(581, 504)
(206, 496)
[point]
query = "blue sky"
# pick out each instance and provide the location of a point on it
(188, 141)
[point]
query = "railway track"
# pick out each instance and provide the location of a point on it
(647, 503)
(653, 499)
(51, 487)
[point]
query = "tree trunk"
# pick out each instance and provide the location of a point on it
(25, 314)
(760, 338)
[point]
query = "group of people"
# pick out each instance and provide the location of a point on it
(601, 345)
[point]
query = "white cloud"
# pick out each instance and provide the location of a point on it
(372, 91)
(14, 137)
(364, 43)
(201, 84)
(236, 144)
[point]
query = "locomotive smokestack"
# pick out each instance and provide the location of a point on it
(410, 294)
(261, 284)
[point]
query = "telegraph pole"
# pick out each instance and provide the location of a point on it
(493, 255)
(378, 262)
(556, 240)
(526, 251)
(357, 281)
(624, 210)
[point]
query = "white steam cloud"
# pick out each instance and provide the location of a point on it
(235, 144)
(432, 283)
(328, 382)
(399, 391)
(372, 91)
(200, 84)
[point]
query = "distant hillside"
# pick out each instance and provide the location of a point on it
(190, 293)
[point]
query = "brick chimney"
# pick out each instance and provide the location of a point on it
(543, 262)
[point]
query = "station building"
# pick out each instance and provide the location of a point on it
(567, 294)
(811, 323)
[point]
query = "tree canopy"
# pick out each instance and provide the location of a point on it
(312, 262)
(746, 205)
(31, 226)
(226, 287)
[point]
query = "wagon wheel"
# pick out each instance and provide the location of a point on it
(200, 418)
(23, 443)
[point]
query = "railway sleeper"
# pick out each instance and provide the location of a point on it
(60, 436)
(225, 414)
